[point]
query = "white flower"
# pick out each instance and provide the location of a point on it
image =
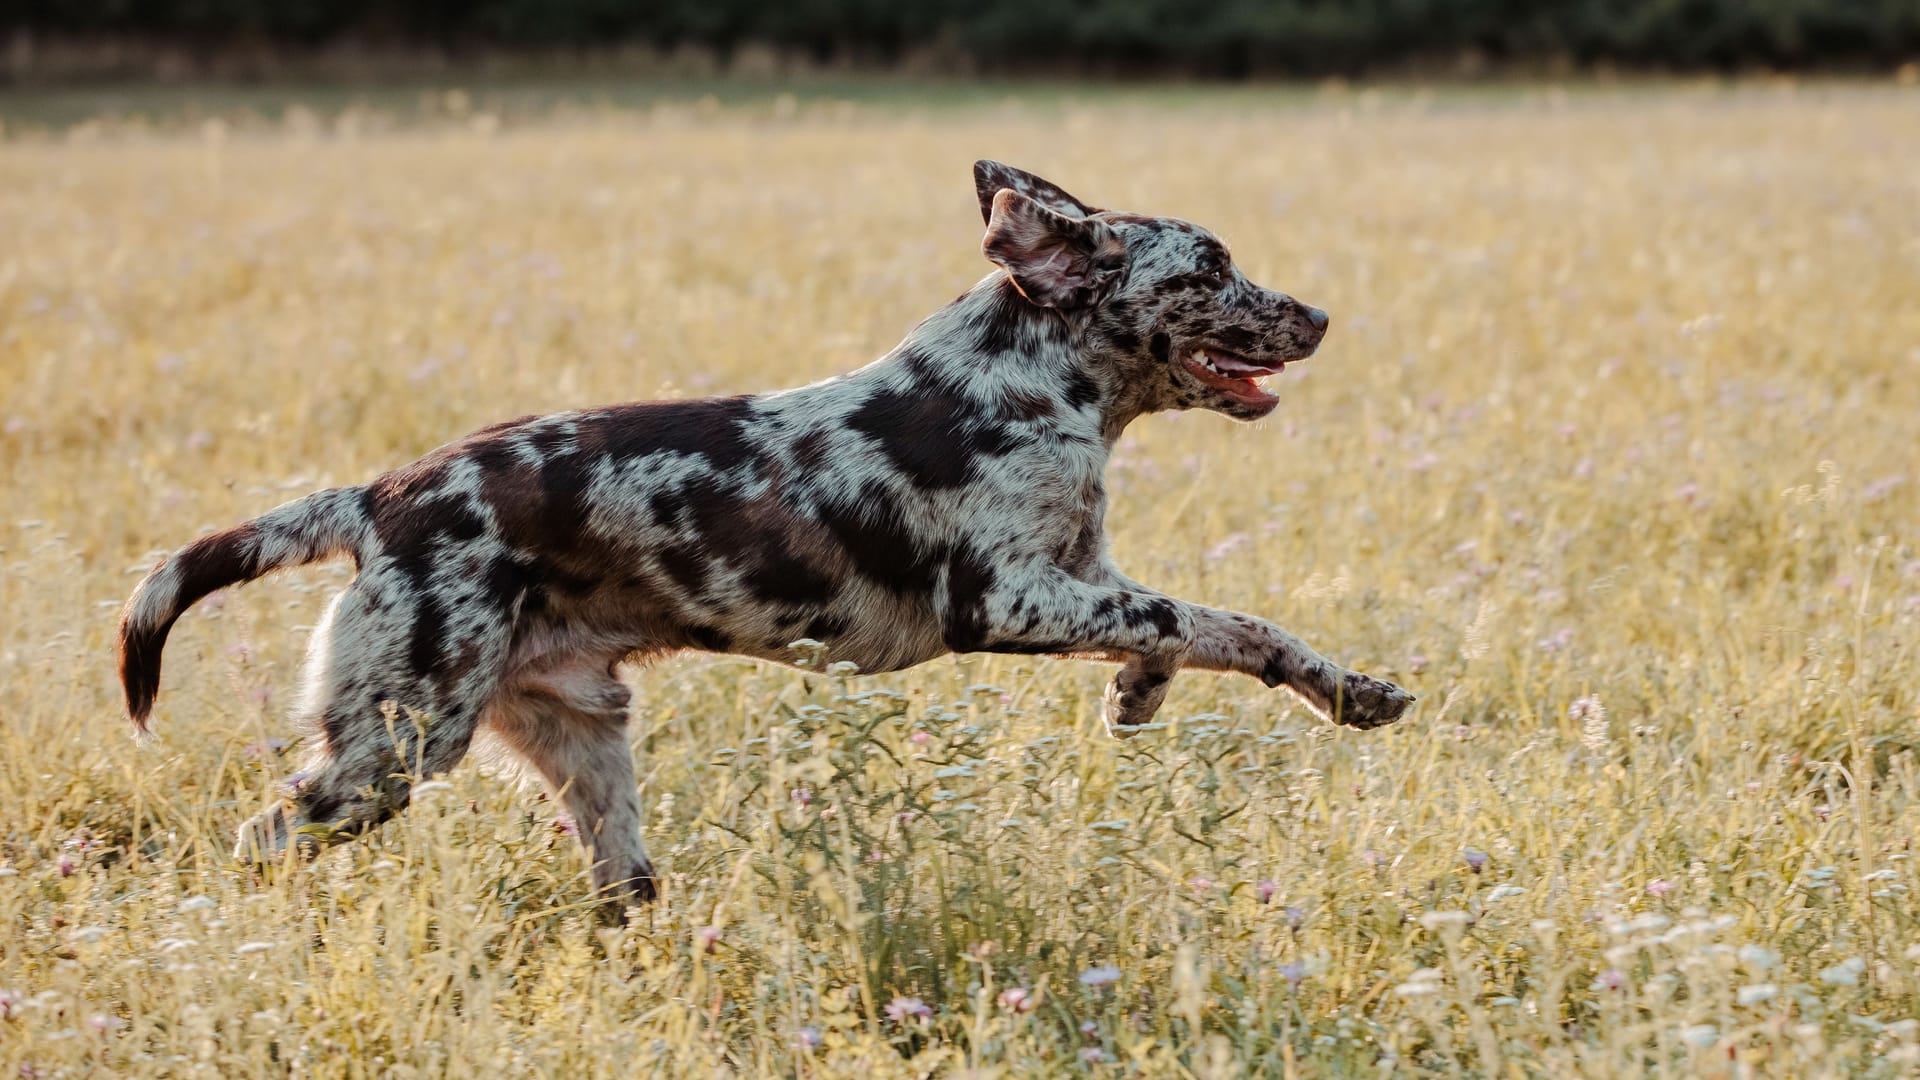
(1845, 973)
(1097, 977)
(1758, 957)
(1757, 993)
(1700, 1035)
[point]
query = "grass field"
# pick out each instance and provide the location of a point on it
(1610, 454)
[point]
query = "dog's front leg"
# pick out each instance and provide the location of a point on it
(1230, 641)
(1045, 610)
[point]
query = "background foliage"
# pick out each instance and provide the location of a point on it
(1225, 38)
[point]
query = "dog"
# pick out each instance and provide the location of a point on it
(947, 498)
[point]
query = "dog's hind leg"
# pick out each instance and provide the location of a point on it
(571, 726)
(399, 677)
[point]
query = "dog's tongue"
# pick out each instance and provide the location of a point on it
(1227, 365)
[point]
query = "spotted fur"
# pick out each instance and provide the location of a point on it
(948, 497)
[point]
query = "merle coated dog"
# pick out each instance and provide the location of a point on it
(946, 498)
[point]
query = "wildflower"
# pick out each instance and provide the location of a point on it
(1293, 972)
(1476, 859)
(1591, 715)
(1093, 1055)
(808, 1038)
(1758, 957)
(1700, 1035)
(1296, 917)
(1375, 859)
(9, 1001)
(802, 796)
(66, 866)
(707, 938)
(1200, 884)
(1845, 973)
(1265, 890)
(902, 1009)
(105, 1024)
(1098, 977)
(1422, 982)
(1610, 979)
(1756, 993)
(1017, 999)
(1089, 1029)
(1659, 887)
(1416, 663)
(920, 738)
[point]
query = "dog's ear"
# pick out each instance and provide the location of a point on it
(991, 177)
(1054, 260)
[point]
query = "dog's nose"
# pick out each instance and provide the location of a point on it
(1318, 318)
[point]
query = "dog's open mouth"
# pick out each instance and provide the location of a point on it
(1235, 376)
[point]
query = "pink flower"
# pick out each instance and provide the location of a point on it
(1265, 890)
(801, 796)
(1476, 859)
(1201, 884)
(66, 866)
(808, 1038)
(1416, 663)
(1017, 999)
(1659, 887)
(1610, 979)
(707, 938)
(920, 738)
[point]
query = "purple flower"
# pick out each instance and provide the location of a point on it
(1017, 999)
(1659, 887)
(902, 1009)
(1293, 972)
(808, 1038)
(1610, 979)
(1476, 859)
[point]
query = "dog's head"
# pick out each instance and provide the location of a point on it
(1160, 297)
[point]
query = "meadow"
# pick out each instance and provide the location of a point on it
(1609, 454)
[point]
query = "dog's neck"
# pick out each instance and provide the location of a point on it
(992, 328)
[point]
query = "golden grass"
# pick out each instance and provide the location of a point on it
(1610, 455)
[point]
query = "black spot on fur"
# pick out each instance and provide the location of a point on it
(970, 577)
(686, 566)
(778, 576)
(933, 438)
(709, 638)
(1161, 346)
(712, 428)
(869, 527)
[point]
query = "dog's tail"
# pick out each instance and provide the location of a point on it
(305, 530)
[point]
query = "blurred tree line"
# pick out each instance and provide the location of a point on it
(1208, 37)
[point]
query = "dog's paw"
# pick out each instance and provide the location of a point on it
(1366, 702)
(1129, 711)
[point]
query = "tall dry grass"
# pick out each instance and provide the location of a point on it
(1610, 455)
